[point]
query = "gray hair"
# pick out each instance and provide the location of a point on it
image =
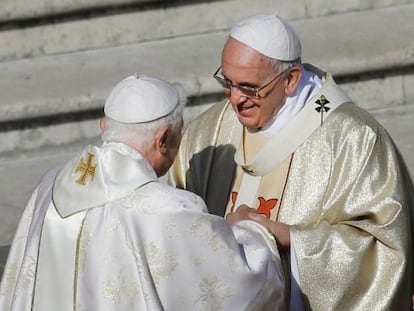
(280, 66)
(142, 134)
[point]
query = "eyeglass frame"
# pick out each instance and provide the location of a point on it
(224, 81)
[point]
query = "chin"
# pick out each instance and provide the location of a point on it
(250, 125)
(244, 121)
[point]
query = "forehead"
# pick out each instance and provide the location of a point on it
(238, 58)
(237, 53)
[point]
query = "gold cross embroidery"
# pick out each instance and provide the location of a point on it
(86, 168)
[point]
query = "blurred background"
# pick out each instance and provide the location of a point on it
(59, 60)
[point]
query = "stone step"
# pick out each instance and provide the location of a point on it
(46, 27)
(127, 26)
(348, 44)
(12, 10)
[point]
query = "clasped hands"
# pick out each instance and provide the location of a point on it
(280, 230)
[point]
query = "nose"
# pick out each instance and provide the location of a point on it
(236, 96)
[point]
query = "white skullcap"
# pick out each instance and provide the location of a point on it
(139, 99)
(270, 35)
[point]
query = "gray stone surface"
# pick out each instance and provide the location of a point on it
(19, 9)
(360, 41)
(380, 92)
(345, 44)
(131, 27)
(80, 81)
(4, 250)
(399, 121)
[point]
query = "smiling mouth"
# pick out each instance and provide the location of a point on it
(243, 107)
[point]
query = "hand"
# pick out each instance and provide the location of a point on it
(241, 213)
(280, 230)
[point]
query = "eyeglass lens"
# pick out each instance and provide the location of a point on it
(228, 85)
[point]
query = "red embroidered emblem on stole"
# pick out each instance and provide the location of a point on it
(265, 206)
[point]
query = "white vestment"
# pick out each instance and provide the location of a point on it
(104, 234)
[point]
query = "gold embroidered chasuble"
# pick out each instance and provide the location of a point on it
(347, 199)
(104, 234)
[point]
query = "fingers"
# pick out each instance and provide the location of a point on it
(260, 218)
(232, 218)
(243, 208)
(241, 213)
(280, 230)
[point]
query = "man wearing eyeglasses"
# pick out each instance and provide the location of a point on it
(290, 150)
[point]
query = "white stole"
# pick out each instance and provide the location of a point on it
(56, 265)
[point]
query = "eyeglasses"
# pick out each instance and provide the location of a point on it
(248, 91)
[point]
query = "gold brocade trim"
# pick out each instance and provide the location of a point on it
(284, 188)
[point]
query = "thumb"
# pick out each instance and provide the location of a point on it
(260, 218)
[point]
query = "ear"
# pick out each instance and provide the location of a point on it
(293, 78)
(102, 123)
(161, 140)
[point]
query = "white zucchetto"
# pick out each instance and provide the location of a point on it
(270, 35)
(139, 99)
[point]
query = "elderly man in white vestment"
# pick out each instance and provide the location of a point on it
(103, 233)
(291, 145)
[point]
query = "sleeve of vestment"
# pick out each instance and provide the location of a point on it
(19, 274)
(354, 250)
(157, 251)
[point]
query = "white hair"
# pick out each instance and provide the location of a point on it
(280, 66)
(142, 134)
